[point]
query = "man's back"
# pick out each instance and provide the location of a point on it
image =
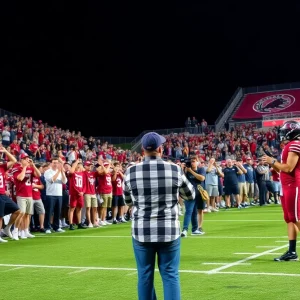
(153, 186)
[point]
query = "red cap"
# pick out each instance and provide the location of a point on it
(87, 163)
(106, 164)
(24, 155)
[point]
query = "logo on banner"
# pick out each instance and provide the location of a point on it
(274, 103)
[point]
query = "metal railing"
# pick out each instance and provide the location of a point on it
(229, 108)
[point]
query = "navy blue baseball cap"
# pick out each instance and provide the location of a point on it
(152, 140)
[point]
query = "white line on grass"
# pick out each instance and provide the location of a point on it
(222, 264)
(127, 236)
(132, 269)
(133, 273)
(252, 253)
(78, 271)
(266, 246)
(246, 259)
(243, 220)
(13, 269)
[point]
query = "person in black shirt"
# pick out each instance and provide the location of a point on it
(194, 209)
(231, 173)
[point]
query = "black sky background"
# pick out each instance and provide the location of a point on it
(163, 62)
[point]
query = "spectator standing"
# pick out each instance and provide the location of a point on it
(55, 177)
(155, 224)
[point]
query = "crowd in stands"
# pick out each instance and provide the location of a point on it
(94, 172)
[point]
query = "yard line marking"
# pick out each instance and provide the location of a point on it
(280, 241)
(247, 258)
(133, 273)
(266, 246)
(67, 267)
(262, 273)
(13, 269)
(79, 271)
(132, 269)
(212, 263)
(127, 236)
(250, 253)
(243, 220)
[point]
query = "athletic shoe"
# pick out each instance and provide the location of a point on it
(81, 226)
(90, 225)
(29, 235)
(287, 256)
(184, 233)
(71, 227)
(59, 230)
(48, 231)
(7, 232)
(197, 232)
(15, 235)
(115, 222)
(3, 241)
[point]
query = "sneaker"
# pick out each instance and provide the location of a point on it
(60, 230)
(184, 233)
(15, 234)
(197, 232)
(3, 241)
(48, 231)
(7, 232)
(107, 223)
(72, 227)
(201, 230)
(42, 230)
(23, 235)
(81, 226)
(90, 225)
(115, 222)
(96, 225)
(103, 223)
(29, 235)
(287, 256)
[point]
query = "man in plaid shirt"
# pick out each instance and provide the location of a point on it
(153, 187)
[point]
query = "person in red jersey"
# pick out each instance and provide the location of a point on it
(118, 202)
(7, 206)
(38, 205)
(90, 199)
(23, 174)
(289, 169)
(104, 190)
(76, 190)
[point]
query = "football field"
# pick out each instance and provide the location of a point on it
(233, 260)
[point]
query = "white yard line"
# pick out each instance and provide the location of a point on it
(78, 271)
(252, 253)
(266, 246)
(202, 237)
(134, 270)
(247, 259)
(13, 269)
(243, 220)
(222, 264)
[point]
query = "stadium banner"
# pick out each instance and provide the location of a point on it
(254, 106)
(279, 122)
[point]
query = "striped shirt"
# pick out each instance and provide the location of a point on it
(152, 187)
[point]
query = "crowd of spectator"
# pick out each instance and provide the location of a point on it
(38, 146)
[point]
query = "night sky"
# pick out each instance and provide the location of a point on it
(135, 66)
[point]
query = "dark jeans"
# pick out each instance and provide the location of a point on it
(262, 192)
(52, 207)
(191, 215)
(168, 258)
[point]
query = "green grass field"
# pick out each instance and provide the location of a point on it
(233, 260)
